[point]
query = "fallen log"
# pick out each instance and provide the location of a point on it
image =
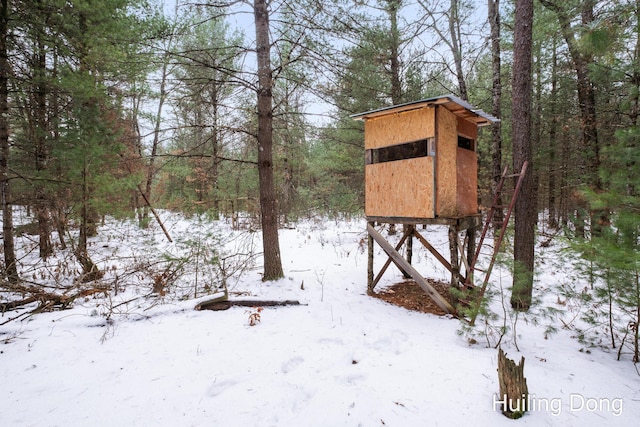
(32, 294)
(218, 304)
(12, 305)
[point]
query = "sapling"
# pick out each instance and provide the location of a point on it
(320, 280)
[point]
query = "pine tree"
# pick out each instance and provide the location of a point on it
(207, 63)
(525, 207)
(268, 207)
(612, 242)
(71, 133)
(10, 262)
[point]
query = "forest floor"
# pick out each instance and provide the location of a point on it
(139, 358)
(409, 295)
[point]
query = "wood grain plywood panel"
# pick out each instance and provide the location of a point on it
(467, 176)
(467, 129)
(446, 152)
(402, 188)
(398, 128)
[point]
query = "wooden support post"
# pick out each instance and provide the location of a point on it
(454, 260)
(514, 393)
(467, 256)
(370, 284)
(463, 256)
(408, 232)
(471, 250)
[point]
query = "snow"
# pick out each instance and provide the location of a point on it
(340, 359)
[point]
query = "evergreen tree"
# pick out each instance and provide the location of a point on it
(207, 66)
(525, 207)
(10, 262)
(380, 68)
(71, 64)
(613, 248)
(264, 91)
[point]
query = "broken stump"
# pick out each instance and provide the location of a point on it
(514, 393)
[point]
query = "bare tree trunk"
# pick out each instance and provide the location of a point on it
(268, 208)
(59, 200)
(536, 124)
(396, 85)
(88, 215)
(456, 48)
(496, 103)
(525, 206)
(553, 132)
(565, 205)
(90, 270)
(156, 141)
(215, 152)
(11, 270)
(59, 220)
(136, 195)
(39, 109)
(290, 161)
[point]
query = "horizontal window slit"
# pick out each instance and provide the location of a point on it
(409, 150)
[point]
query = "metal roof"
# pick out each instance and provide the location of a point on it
(456, 105)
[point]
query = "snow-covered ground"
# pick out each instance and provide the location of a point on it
(341, 359)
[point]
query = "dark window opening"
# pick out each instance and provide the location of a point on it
(409, 150)
(466, 143)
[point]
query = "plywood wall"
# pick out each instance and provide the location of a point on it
(446, 151)
(403, 188)
(467, 177)
(467, 129)
(397, 128)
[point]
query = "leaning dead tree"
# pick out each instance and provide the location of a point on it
(31, 299)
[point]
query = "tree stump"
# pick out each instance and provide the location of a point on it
(514, 394)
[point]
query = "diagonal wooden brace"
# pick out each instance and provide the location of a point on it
(408, 268)
(435, 253)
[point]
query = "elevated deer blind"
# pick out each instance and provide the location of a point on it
(421, 167)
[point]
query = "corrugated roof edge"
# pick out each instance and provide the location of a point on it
(451, 97)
